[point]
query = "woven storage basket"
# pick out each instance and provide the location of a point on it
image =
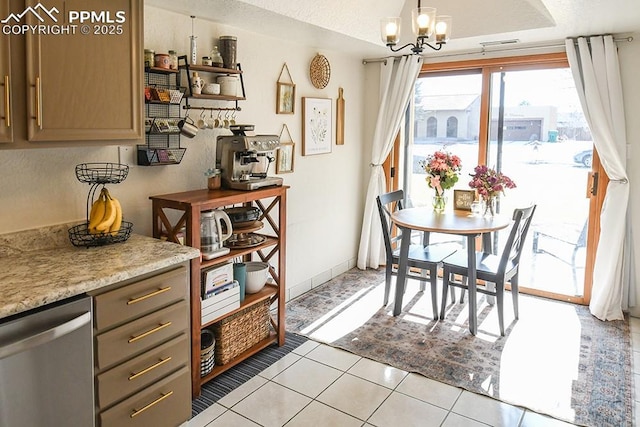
(241, 331)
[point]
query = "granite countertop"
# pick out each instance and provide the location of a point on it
(38, 267)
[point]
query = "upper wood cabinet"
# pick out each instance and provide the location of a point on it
(79, 77)
(6, 128)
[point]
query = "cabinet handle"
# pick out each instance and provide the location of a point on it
(149, 405)
(149, 295)
(7, 102)
(149, 332)
(38, 102)
(161, 362)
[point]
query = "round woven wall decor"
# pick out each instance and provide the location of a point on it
(320, 71)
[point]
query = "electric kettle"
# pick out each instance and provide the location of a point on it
(212, 234)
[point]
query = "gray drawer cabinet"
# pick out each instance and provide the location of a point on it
(142, 351)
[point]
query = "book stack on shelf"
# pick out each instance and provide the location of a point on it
(220, 293)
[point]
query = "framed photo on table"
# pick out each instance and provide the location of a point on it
(462, 199)
(317, 125)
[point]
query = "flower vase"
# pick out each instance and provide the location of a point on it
(490, 206)
(439, 203)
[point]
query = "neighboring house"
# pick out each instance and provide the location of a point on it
(451, 117)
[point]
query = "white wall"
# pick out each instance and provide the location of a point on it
(38, 187)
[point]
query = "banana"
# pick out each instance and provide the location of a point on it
(97, 212)
(109, 213)
(115, 227)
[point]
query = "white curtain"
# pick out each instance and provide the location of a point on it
(396, 88)
(594, 63)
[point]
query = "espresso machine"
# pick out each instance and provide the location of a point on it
(244, 159)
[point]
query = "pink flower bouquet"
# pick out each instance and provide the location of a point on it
(443, 169)
(488, 183)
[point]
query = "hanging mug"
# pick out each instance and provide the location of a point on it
(187, 127)
(202, 121)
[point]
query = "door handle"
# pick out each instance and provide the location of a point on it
(594, 184)
(7, 102)
(38, 102)
(44, 337)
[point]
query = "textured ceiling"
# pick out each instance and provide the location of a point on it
(353, 25)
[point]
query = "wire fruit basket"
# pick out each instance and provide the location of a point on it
(99, 174)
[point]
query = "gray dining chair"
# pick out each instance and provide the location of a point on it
(425, 257)
(497, 269)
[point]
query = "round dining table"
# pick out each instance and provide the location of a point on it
(456, 222)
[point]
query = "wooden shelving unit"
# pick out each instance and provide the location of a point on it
(179, 214)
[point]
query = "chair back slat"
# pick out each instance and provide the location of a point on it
(386, 202)
(518, 234)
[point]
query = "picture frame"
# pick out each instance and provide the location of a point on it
(285, 157)
(286, 98)
(462, 199)
(285, 92)
(317, 126)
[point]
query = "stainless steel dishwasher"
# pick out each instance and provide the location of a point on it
(46, 367)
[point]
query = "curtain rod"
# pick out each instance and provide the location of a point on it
(482, 50)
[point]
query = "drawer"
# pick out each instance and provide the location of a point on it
(166, 403)
(142, 371)
(139, 298)
(140, 335)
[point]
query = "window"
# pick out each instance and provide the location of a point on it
(521, 116)
(452, 127)
(432, 127)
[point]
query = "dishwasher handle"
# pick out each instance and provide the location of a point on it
(44, 337)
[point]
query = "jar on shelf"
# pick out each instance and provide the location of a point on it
(216, 58)
(149, 58)
(173, 60)
(228, 46)
(214, 179)
(206, 60)
(162, 60)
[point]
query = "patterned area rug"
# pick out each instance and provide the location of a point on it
(557, 359)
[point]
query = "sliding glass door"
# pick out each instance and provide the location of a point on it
(538, 135)
(524, 119)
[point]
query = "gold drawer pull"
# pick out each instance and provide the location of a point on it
(145, 370)
(144, 408)
(7, 102)
(149, 295)
(149, 332)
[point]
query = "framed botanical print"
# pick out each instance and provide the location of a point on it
(285, 157)
(286, 93)
(317, 125)
(286, 98)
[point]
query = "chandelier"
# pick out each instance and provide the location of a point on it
(425, 24)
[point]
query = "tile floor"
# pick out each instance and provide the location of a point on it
(318, 385)
(323, 386)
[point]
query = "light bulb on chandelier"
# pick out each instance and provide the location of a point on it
(425, 24)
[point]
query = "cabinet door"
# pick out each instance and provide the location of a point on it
(84, 83)
(6, 124)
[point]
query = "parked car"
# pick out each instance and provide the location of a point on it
(584, 158)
